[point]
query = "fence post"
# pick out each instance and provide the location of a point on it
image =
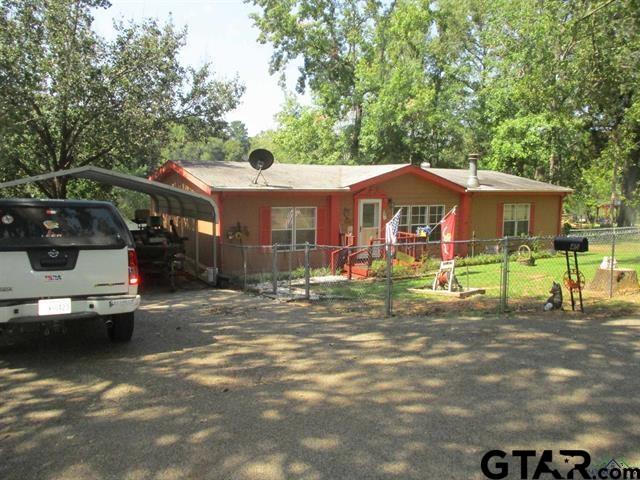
(274, 267)
(473, 243)
(389, 290)
(504, 283)
(613, 255)
(291, 253)
(307, 293)
(244, 267)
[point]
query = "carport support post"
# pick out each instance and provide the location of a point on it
(197, 249)
(306, 271)
(274, 267)
(388, 304)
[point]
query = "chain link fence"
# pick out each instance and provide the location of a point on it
(407, 279)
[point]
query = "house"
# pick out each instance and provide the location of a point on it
(290, 204)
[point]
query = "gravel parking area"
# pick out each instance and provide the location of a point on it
(218, 384)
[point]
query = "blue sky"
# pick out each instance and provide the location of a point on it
(220, 32)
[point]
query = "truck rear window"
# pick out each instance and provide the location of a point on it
(43, 226)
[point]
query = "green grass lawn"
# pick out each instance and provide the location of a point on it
(525, 282)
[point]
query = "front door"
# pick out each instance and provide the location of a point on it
(369, 220)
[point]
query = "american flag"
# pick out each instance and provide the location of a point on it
(391, 229)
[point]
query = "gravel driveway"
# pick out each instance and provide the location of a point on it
(218, 384)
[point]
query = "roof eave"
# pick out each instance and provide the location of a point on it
(507, 190)
(171, 166)
(215, 188)
(411, 169)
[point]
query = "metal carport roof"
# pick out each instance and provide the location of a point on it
(169, 199)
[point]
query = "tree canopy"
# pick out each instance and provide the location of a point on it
(69, 97)
(232, 144)
(547, 89)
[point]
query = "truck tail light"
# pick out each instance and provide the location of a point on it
(134, 273)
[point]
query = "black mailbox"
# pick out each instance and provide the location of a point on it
(571, 244)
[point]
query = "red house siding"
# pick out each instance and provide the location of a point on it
(480, 213)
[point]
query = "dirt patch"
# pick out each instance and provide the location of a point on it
(218, 384)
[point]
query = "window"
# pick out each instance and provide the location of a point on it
(436, 212)
(516, 219)
(414, 216)
(291, 227)
(418, 217)
(404, 225)
(60, 225)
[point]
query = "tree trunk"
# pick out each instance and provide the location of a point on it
(629, 187)
(354, 148)
(60, 187)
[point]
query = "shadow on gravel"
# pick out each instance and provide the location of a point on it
(217, 384)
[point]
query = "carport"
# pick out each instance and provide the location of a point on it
(167, 199)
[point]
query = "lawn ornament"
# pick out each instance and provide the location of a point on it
(443, 279)
(606, 263)
(573, 279)
(446, 283)
(423, 232)
(237, 231)
(525, 257)
(446, 277)
(554, 302)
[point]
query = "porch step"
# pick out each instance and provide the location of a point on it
(359, 271)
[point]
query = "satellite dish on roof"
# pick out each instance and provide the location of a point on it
(260, 159)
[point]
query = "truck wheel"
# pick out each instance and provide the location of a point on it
(122, 327)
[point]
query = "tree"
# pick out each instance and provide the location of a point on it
(542, 89)
(609, 66)
(331, 37)
(231, 145)
(70, 98)
(561, 100)
(414, 105)
(266, 139)
(238, 132)
(391, 78)
(307, 135)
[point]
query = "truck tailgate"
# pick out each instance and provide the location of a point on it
(96, 272)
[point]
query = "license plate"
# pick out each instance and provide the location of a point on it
(54, 306)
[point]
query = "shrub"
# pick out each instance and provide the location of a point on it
(482, 259)
(379, 269)
(299, 273)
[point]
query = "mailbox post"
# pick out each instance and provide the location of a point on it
(575, 245)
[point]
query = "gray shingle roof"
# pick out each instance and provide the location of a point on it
(492, 181)
(304, 177)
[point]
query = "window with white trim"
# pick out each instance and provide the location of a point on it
(292, 227)
(436, 213)
(515, 219)
(414, 216)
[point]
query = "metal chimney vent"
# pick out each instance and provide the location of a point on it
(472, 181)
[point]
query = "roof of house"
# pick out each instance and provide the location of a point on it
(492, 181)
(240, 176)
